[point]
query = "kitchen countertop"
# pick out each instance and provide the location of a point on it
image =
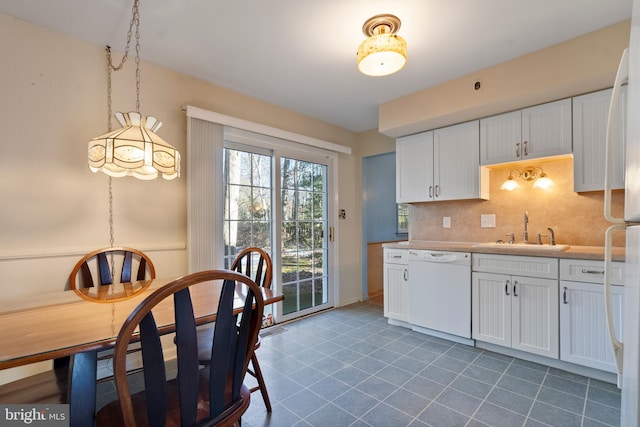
(574, 252)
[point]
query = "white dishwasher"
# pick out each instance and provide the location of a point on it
(440, 291)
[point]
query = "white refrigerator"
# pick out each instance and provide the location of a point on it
(627, 348)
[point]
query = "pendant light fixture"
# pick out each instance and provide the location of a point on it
(134, 149)
(383, 52)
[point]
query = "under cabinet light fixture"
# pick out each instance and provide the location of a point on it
(530, 173)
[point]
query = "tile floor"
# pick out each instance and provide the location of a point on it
(349, 367)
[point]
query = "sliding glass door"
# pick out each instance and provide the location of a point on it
(287, 210)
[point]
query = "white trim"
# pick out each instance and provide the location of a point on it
(222, 119)
(81, 251)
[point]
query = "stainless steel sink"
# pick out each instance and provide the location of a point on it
(523, 246)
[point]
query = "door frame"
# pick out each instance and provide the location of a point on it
(281, 148)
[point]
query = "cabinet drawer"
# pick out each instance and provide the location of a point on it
(396, 256)
(518, 265)
(590, 271)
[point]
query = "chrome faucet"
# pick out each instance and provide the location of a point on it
(525, 234)
(552, 237)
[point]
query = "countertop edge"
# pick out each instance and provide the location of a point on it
(574, 252)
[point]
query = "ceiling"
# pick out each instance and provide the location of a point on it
(301, 55)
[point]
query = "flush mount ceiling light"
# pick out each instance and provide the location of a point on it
(133, 150)
(383, 52)
(542, 181)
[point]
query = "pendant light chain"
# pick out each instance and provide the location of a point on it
(135, 21)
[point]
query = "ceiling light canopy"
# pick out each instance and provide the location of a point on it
(383, 52)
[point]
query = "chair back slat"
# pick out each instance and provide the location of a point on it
(187, 353)
(222, 348)
(247, 323)
(154, 373)
(125, 276)
(85, 273)
(142, 269)
(103, 269)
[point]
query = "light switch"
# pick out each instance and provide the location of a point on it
(446, 222)
(488, 221)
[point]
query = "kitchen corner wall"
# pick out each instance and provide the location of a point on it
(576, 218)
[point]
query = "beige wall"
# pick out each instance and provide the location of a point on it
(577, 66)
(577, 219)
(54, 209)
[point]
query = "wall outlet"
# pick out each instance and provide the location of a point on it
(488, 221)
(446, 222)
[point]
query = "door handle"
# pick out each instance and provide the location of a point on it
(437, 190)
(406, 274)
(517, 149)
(564, 295)
(506, 288)
(331, 234)
(514, 288)
(524, 146)
(431, 191)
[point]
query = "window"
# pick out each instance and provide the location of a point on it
(402, 222)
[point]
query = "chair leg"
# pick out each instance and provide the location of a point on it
(261, 385)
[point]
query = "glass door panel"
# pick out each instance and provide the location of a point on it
(304, 248)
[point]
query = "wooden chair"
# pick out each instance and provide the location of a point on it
(255, 263)
(96, 267)
(214, 395)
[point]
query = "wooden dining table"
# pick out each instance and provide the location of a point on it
(80, 323)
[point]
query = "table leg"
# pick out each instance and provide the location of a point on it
(82, 389)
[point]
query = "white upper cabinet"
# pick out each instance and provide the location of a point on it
(414, 173)
(500, 138)
(441, 165)
(590, 113)
(456, 167)
(540, 131)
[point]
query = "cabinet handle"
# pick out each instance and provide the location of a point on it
(437, 190)
(517, 149)
(524, 146)
(514, 288)
(406, 274)
(585, 271)
(396, 256)
(564, 295)
(431, 191)
(506, 288)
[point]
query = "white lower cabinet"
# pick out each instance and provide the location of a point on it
(584, 337)
(396, 284)
(516, 310)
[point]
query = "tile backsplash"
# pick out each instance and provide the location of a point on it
(576, 218)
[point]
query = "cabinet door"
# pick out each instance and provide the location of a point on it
(546, 130)
(414, 168)
(500, 138)
(456, 167)
(535, 315)
(491, 308)
(583, 330)
(590, 115)
(396, 292)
